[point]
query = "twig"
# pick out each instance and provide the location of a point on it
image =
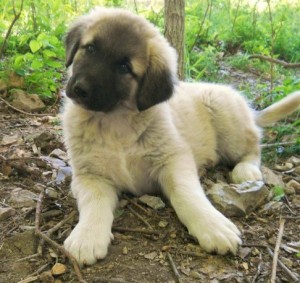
(174, 268)
(40, 269)
(24, 112)
(277, 61)
(108, 280)
(61, 223)
(140, 217)
(137, 205)
(258, 269)
(51, 242)
(29, 279)
(289, 273)
(194, 254)
(27, 257)
(267, 145)
(142, 231)
(276, 250)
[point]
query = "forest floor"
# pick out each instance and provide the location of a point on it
(33, 161)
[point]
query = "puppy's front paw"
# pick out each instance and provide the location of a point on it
(87, 243)
(216, 233)
(245, 171)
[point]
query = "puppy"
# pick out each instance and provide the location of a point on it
(129, 125)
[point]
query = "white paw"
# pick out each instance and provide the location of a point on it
(216, 233)
(246, 171)
(88, 243)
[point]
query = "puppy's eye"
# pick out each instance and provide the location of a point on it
(123, 67)
(90, 48)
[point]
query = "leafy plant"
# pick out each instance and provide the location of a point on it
(278, 193)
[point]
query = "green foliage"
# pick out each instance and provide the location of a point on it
(278, 193)
(214, 31)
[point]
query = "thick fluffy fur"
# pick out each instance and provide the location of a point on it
(122, 134)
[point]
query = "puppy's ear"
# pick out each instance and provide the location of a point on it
(158, 82)
(72, 42)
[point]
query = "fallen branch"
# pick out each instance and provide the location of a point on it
(56, 246)
(174, 268)
(258, 269)
(267, 145)
(140, 217)
(285, 269)
(276, 250)
(24, 112)
(290, 274)
(142, 231)
(276, 61)
(137, 205)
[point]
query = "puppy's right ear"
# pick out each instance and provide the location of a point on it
(72, 42)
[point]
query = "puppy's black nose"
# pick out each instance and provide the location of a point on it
(80, 90)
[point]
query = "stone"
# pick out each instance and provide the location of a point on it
(284, 167)
(294, 186)
(153, 202)
(3, 86)
(294, 160)
(26, 102)
(238, 200)
(15, 81)
(22, 198)
(6, 212)
(271, 178)
(58, 269)
(10, 139)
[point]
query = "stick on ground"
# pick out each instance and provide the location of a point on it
(51, 242)
(276, 251)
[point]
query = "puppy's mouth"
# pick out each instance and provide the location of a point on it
(92, 98)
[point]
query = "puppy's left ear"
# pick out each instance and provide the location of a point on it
(160, 78)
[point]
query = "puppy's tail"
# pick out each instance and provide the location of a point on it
(278, 110)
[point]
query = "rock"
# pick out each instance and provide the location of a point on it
(15, 81)
(271, 178)
(297, 170)
(163, 223)
(10, 139)
(26, 102)
(284, 167)
(154, 202)
(22, 198)
(238, 200)
(271, 206)
(3, 86)
(151, 256)
(125, 250)
(58, 269)
(293, 186)
(294, 160)
(60, 154)
(6, 212)
(52, 193)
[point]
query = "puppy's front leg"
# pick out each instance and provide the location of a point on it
(96, 200)
(212, 229)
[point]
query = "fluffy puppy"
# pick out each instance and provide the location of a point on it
(130, 125)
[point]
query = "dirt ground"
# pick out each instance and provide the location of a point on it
(139, 253)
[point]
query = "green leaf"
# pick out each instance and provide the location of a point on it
(37, 64)
(35, 45)
(278, 193)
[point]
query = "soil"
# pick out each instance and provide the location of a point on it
(134, 256)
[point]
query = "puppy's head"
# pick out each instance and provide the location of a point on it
(118, 57)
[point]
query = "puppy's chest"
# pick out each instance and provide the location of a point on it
(113, 151)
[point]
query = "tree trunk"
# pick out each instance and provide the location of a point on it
(174, 30)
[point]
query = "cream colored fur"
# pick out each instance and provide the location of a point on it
(161, 149)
